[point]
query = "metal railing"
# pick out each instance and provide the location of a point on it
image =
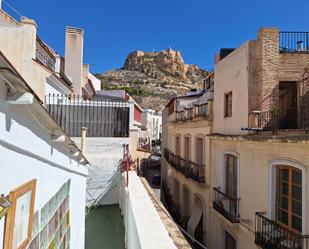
(103, 118)
(43, 55)
(270, 234)
(292, 119)
(193, 112)
(189, 169)
(294, 42)
(226, 205)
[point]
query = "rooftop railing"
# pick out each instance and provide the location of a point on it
(294, 42)
(270, 234)
(189, 169)
(44, 56)
(226, 205)
(103, 118)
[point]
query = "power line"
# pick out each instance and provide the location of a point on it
(12, 8)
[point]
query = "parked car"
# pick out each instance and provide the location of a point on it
(156, 180)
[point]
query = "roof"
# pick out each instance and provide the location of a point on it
(18, 84)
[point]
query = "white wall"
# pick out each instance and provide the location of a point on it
(104, 155)
(143, 225)
(27, 153)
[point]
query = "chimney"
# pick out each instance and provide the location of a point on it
(0, 4)
(74, 42)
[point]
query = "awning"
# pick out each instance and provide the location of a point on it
(196, 215)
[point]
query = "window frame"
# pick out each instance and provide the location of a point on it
(271, 207)
(223, 176)
(14, 195)
(228, 104)
(289, 209)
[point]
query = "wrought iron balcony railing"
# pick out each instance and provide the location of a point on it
(291, 119)
(193, 112)
(270, 234)
(226, 205)
(294, 42)
(189, 169)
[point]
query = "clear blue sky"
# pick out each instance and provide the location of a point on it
(198, 28)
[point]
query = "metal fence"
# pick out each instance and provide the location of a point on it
(270, 234)
(103, 118)
(226, 205)
(292, 119)
(293, 42)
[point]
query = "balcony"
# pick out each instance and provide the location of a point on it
(189, 169)
(43, 55)
(197, 111)
(291, 119)
(294, 42)
(271, 235)
(226, 205)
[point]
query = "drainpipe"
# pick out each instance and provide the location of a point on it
(83, 139)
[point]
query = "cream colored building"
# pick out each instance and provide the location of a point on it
(187, 121)
(259, 151)
(255, 148)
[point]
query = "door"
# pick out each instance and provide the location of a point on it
(288, 105)
(230, 242)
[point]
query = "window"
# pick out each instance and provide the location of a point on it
(176, 191)
(228, 104)
(231, 175)
(199, 150)
(230, 242)
(289, 197)
(177, 146)
(187, 148)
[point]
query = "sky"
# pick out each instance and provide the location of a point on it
(197, 28)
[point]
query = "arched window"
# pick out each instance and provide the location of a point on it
(229, 241)
(187, 148)
(289, 197)
(177, 145)
(199, 151)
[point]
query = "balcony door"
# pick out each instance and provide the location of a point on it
(289, 197)
(199, 157)
(288, 105)
(177, 146)
(230, 242)
(187, 148)
(231, 184)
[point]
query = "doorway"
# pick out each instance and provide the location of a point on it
(288, 105)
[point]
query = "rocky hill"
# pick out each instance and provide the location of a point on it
(153, 78)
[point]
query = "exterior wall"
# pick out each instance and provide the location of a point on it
(231, 74)
(95, 81)
(104, 155)
(74, 42)
(28, 153)
(138, 210)
(137, 114)
(268, 51)
(18, 44)
(255, 158)
(196, 129)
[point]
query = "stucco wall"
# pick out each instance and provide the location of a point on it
(231, 74)
(18, 44)
(28, 153)
(255, 158)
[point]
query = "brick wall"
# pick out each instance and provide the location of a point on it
(269, 60)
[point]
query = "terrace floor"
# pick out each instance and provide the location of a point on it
(104, 228)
